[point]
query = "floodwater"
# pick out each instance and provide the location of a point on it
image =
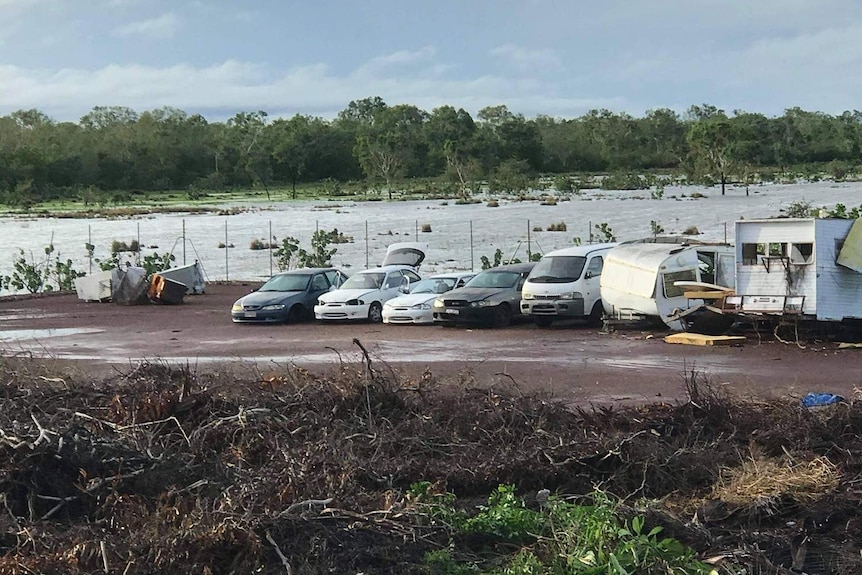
(459, 234)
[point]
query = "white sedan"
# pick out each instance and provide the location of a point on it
(415, 307)
(363, 294)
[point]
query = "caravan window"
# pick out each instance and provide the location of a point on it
(801, 253)
(669, 278)
(706, 264)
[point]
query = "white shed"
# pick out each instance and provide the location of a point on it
(799, 266)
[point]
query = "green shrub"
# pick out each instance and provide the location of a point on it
(624, 182)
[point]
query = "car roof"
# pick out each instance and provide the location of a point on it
(582, 250)
(452, 275)
(387, 269)
(303, 271)
(523, 267)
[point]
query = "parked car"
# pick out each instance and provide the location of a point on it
(286, 297)
(565, 285)
(415, 306)
(492, 298)
(363, 294)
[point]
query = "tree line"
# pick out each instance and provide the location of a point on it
(114, 152)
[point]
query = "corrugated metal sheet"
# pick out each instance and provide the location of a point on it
(850, 255)
(839, 290)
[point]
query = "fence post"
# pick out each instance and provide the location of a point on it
(184, 241)
(366, 244)
(269, 243)
(226, 244)
(471, 246)
(529, 245)
(90, 243)
(416, 231)
(139, 245)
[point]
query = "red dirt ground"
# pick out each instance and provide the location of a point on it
(579, 365)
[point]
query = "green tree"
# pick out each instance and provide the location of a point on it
(712, 144)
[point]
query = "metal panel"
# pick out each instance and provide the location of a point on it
(839, 289)
(850, 255)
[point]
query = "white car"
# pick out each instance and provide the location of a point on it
(415, 307)
(363, 294)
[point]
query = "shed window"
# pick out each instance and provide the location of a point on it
(801, 253)
(777, 249)
(750, 253)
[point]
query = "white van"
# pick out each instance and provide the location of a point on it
(565, 285)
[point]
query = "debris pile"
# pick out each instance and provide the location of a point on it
(166, 470)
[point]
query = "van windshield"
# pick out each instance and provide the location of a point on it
(557, 269)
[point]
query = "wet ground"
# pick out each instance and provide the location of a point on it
(573, 362)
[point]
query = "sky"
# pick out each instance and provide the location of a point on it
(559, 58)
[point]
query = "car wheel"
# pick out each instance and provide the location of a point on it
(296, 314)
(595, 317)
(375, 313)
(502, 316)
(543, 321)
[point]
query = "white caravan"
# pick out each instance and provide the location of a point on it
(640, 279)
(565, 285)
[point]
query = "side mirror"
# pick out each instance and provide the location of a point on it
(404, 288)
(588, 275)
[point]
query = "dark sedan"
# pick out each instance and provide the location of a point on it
(491, 298)
(287, 297)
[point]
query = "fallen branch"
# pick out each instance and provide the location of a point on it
(278, 552)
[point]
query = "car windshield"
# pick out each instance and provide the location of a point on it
(364, 281)
(493, 279)
(433, 285)
(558, 269)
(286, 282)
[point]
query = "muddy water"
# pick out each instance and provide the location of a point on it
(459, 236)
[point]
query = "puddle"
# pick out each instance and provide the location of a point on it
(17, 335)
(19, 314)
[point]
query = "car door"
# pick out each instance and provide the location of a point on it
(335, 277)
(592, 279)
(390, 286)
(318, 286)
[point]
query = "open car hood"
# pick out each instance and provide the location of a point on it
(405, 253)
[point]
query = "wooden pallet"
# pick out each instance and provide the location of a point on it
(700, 339)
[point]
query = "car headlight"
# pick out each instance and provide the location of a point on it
(566, 295)
(354, 302)
(387, 305)
(273, 307)
(438, 303)
(425, 305)
(527, 295)
(321, 303)
(236, 307)
(481, 303)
